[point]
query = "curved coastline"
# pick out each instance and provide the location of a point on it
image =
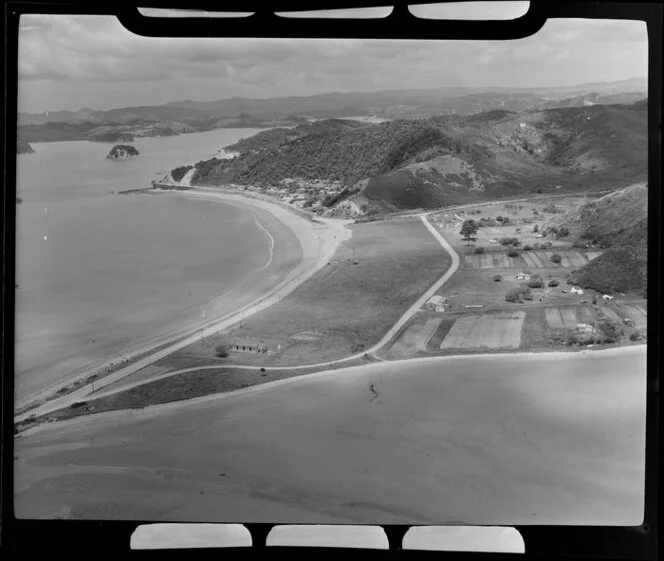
(317, 242)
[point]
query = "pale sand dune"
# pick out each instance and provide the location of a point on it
(528, 439)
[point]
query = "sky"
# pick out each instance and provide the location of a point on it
(74, 62)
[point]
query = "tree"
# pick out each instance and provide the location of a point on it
(512, 253)
(553, 282)
(535, 228)
(497, 278)
(221, 350)
(479, 249)
(562, 232)
(535, 282)
(468, 229)
(556, 258)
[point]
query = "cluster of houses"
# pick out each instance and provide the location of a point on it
(309, 194)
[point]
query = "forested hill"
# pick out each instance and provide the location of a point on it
(447, 159)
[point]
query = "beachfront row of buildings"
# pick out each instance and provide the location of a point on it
(302, 193)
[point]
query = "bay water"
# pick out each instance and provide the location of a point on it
(98, 272)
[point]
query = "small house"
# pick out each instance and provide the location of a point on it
(440, 308)
(538, 236)
(493, 241)
(248, 345)
(607, 297)
(435, 302)
(576, 290)
(584, 328)
(523, 276)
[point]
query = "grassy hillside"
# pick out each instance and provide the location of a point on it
(619, 269)
(618, 221)
(620, 218)
(449, 159)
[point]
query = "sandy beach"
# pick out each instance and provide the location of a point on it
(540, 439)
(299, 248)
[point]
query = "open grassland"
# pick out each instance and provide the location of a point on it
(638, 315)
(349, 304)
(490, 331)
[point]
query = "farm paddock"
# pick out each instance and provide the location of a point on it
(491, 331)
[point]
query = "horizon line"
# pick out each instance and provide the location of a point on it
(491, 87)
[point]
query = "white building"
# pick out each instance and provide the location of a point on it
(576, 290)
(607, 297)
(436, 302)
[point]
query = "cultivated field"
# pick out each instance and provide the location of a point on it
(527, 260)
(347, 306)
(493, 331)
(414, 338)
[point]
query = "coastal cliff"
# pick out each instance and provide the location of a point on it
(24, 148)
(122, 152)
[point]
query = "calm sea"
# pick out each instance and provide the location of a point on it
(99, 273)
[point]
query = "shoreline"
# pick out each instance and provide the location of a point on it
(150, 411)
(316, 244)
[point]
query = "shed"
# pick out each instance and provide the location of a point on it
(436, 301)
(607, 297)
(584, 327)
(576, 290)
(248, 345)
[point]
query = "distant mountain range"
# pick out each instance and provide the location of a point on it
(123, 124)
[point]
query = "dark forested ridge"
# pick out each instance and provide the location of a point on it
(447, 159)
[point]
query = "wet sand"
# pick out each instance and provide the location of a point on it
(556, 438)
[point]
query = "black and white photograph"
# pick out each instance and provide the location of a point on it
(331, 281)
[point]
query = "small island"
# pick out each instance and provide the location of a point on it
(122, 152)
(23, 147)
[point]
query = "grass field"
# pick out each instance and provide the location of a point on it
(493, 331)
(370, 282)
(638, 314)
(414, 338)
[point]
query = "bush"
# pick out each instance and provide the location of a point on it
(518, 294)
(633, 336)
(221, 350)
(578, 244)
(553, 282)
(479, 250)
(562, 232)
(499, 218)
(512, 253)
(178, 173)
(535, 283)
(510, 241)
(527, 247)
(556, 258)
(497, 278)
(535, 228)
